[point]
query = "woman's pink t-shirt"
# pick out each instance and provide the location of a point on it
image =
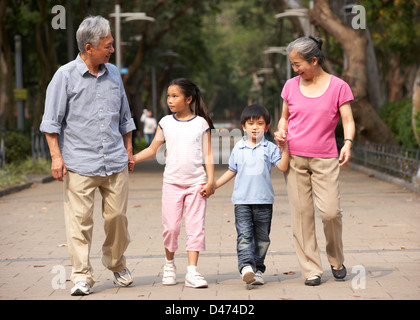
(312, 121)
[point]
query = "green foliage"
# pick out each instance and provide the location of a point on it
(139, 145)
(16, 173)
(8, 178)
(236, 39)
(395, 26)
(27, 166)
(397, 115)
(18, 146)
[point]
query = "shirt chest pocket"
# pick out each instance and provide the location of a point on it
(113, 99)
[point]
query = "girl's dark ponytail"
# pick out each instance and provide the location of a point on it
(190, 89)
(201, 109)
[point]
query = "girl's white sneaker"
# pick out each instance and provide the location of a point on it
(195, 280)
(169, 274)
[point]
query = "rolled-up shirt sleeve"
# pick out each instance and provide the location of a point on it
(126, 121)
(55, 104)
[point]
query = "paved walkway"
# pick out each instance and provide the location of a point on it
(381, 239)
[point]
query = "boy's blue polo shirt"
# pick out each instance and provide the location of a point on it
(253, 169)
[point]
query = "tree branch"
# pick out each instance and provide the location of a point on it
(145, 47)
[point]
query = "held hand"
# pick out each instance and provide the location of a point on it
(282, 144)
(58, 169)
(207, 190)
(280, 136)
(131, 165)
(131, 161)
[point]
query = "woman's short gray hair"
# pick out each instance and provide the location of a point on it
(91, 30)
(308, 48)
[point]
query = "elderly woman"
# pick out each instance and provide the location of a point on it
(313, 103)
(87, 124)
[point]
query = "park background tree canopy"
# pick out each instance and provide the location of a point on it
(220, 45)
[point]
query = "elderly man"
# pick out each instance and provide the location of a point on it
(88, 125)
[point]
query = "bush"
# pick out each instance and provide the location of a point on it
(18, 146)
(397, 115)
(8, 178)
(139, 145)
(15, 173)
(27, 166)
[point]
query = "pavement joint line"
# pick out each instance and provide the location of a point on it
(203, 255)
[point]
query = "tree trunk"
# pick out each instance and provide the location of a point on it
(47, 57)
(154, 38)
(369, 126)
(375, 84)
(416, 107)
(395, 79)
(3, 71)
(8, 102)
(151, 40)
(3, 91)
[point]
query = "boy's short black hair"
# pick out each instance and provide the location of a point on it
(255, 111)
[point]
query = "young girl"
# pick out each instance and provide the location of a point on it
(187, 135)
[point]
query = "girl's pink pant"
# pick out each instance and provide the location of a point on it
(175, 199)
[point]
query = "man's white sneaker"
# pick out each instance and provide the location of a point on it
(248, 274)
(123, 278)
(258, 278)
(195, 280)
(81, 288)
(169, 274)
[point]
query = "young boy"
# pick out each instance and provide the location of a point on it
(253, 194)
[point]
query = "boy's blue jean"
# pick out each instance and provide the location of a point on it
(253, 224)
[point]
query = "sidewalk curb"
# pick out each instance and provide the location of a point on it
(15, 189)
(20, 187)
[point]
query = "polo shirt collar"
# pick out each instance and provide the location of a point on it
(243, 145)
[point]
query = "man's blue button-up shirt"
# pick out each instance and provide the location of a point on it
(90, 114)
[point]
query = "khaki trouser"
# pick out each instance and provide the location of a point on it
(79, 193)
(308, 180)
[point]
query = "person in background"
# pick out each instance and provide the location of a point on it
(149, 126)
(313, 103)
(88, 126)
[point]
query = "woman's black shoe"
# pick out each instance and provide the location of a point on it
(313, 282)
(339, 273)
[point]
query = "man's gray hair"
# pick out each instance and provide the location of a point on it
(308, 48)
(91, 30)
